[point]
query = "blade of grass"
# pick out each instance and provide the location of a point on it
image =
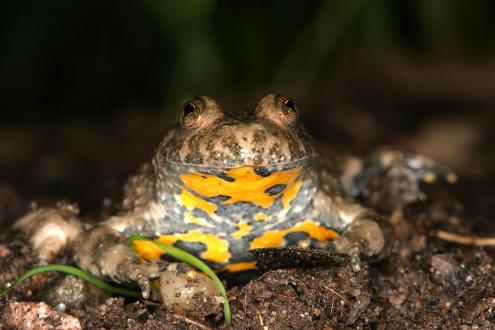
(173, 251)
(71, 270)
(193, 261)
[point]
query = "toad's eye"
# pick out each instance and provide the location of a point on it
(291, 113)
(279, 109)
(190, 114)
(290, 105)
(188, 109)
(200, 112)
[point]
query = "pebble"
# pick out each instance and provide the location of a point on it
(32, 315)
(444, 264)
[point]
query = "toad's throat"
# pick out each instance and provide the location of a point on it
(206, 191)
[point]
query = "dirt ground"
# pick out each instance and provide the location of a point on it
(423, 283)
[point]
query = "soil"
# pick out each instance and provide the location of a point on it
(423, 282)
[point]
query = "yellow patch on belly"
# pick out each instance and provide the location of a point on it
(147, 250)
(291, 193)
(190, 201)
(247, 186)
(217, 249)
(239, 267)
(243, 230)
(189, 218)
(260, 217)
(275, 238)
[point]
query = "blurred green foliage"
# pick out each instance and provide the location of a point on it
(93, 57)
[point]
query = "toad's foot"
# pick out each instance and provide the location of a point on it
(365, 237)
(104, 252)
(49, 230)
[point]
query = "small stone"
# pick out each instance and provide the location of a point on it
(396, 300)
(4, 251)
(61, 307)
(73, 292)
(444, 264)
(31, 315)
(190, 293)
(317, 312)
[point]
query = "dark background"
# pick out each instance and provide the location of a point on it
(87, 88)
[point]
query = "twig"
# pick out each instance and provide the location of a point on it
(334, 292)
(261, 321)
(187, 320)
(465, 240)
(331, 309)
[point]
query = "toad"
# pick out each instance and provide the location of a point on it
(221, 184)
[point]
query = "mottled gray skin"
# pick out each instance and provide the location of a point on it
(210, 142)
(242, 138)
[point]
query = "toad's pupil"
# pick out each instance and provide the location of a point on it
(188, 109)
(289, 104)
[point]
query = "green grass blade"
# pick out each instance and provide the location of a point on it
(71, 270)
(173, 251)
(188, 258)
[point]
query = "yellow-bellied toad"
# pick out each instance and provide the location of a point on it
(221, 184)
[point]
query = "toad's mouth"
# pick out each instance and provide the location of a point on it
(228, 165)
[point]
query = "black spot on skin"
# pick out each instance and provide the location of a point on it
(276, 189)
(258, 155)
(233, 146)
(193, 142)
(258, 159)
(194, 155)
(171, 149)
(216, 155)
(194, 247)
(262, 171)
(259, 136)
(295, 237)
(219, 199)
(194, 158)
(210, 145)
(224, 176)
(275, 151)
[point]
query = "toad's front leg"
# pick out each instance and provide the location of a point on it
(105, 253)
(364, 233)
(103, 250)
